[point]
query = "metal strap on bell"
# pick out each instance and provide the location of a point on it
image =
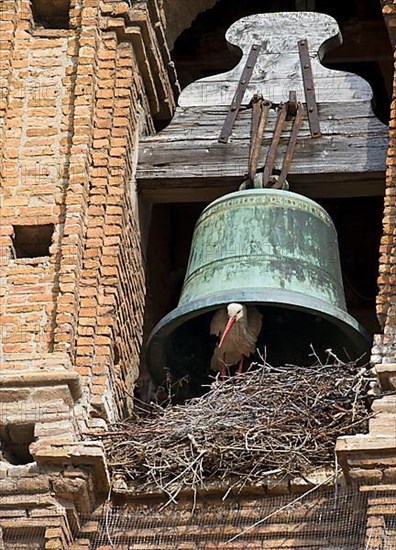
(272, 248)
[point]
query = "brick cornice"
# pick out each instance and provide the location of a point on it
(142, 27)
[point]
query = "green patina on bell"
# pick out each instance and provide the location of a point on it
(277, 250)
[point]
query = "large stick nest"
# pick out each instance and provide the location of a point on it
(281, 421)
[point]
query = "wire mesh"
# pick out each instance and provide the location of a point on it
(347, 519)
(326, 521)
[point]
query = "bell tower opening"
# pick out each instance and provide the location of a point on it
(355, 209)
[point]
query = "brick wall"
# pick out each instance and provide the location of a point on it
(115, 134)
(386, 308)
(34, 158)
(73, 105)
(317, 520)
(30, 514)
(127, 335)
(381, 524)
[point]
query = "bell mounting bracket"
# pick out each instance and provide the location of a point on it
(239, 94)
(309, 88)
(291, 110)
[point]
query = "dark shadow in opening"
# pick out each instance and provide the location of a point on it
(288, 337)
(51, 15)
(15, 440)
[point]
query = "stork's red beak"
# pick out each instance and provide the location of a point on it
(230, 323)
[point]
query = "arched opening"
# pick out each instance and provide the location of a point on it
(202, 51)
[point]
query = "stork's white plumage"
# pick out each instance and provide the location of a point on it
(238, 327)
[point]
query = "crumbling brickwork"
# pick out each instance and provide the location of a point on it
(75, 99)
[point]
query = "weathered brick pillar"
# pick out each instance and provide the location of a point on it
(385, 344)
(73, 102)
(370, 459)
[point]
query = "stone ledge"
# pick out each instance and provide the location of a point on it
(87, 453)
(385, 404)
(388, 488)
(366, 444)
(366, 457)
(51, 378)
(27, 501)
(37, 361)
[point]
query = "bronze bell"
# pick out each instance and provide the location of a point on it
(277, 250)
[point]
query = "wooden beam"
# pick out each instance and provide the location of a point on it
(185, 161)
(315, 187)
(278, 69)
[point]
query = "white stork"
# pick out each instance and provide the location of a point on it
(238, 328)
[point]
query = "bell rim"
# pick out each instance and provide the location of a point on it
(155, 352)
